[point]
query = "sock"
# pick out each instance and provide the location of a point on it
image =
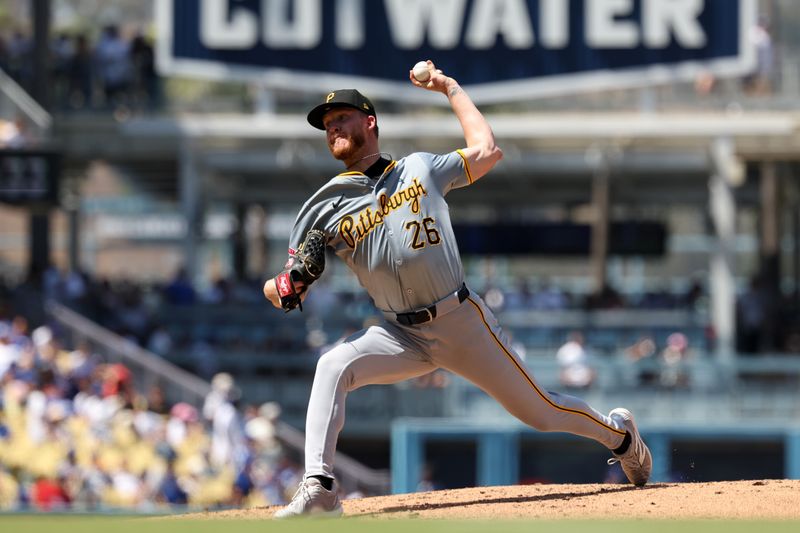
(626, 442)
(327, 482)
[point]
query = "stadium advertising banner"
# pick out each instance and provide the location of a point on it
(501, 49)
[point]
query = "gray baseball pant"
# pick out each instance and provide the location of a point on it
(467, 341)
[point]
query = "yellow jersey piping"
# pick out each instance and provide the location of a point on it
(466, 166)
(389, 167)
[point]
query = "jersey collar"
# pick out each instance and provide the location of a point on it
(379, 167)
(376, 171)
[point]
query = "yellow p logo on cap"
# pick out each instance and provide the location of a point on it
(330, 97)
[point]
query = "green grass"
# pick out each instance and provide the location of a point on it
(90, 524)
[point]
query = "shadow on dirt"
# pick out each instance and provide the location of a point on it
(515, 499)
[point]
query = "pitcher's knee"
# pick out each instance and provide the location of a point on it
(331, 363)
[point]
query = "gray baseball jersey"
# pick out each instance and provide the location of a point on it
(394, 232)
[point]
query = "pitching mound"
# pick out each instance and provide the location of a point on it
(768, 499)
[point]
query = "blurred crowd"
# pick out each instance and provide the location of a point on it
(647, 364)
(546, 296)
(114, 71)
(117, 69)
(168, 317)
(230, 315)
(150, 314)
(75, 433)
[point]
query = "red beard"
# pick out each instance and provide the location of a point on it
(345, 147)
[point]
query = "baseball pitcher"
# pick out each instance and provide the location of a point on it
(388, 221)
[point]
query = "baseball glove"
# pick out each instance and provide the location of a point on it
(307, 266)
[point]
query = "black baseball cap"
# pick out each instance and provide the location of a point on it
(340, 98)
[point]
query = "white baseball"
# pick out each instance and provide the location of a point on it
(421, 72)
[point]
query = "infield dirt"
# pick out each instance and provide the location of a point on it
(755, 500)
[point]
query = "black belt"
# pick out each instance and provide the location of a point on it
(429, 313)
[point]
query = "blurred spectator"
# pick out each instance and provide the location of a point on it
(549, 297)
(243, 484)
(573, 360)
(751, 313)
(204, 358)
(606, 298)
(156, 401)
(179, 291)
(49, 495)
(51, 282)
(427, 481)
(20, 66)
(640, 355)
(9, 488)
(170, 490)
(79, 75)
(520, 295)
(126, 488)
(494, 298)
(62, 52)
(792, 342)
(218, 292)
(15, 134)
(221, 386)
(674, 373)
(112, 56)
(9, 353)
(145, 87)
(694, 295)
(81, 361)
(160, 341)
(227, 429)
(705, 83)
(75, 286)
(118, 382)
(271, 472)
(657, 299)
(181, 416)
(19, 331)
(759, 82)
(133, 315)
(24, 370)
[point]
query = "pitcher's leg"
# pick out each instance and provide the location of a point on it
(371, 357)
(481, 354)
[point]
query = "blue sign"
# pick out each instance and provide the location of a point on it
(502, 49)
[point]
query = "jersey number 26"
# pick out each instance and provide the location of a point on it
(431, 233)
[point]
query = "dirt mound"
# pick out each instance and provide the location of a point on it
(767, 499)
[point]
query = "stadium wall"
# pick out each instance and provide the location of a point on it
(515, 454)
